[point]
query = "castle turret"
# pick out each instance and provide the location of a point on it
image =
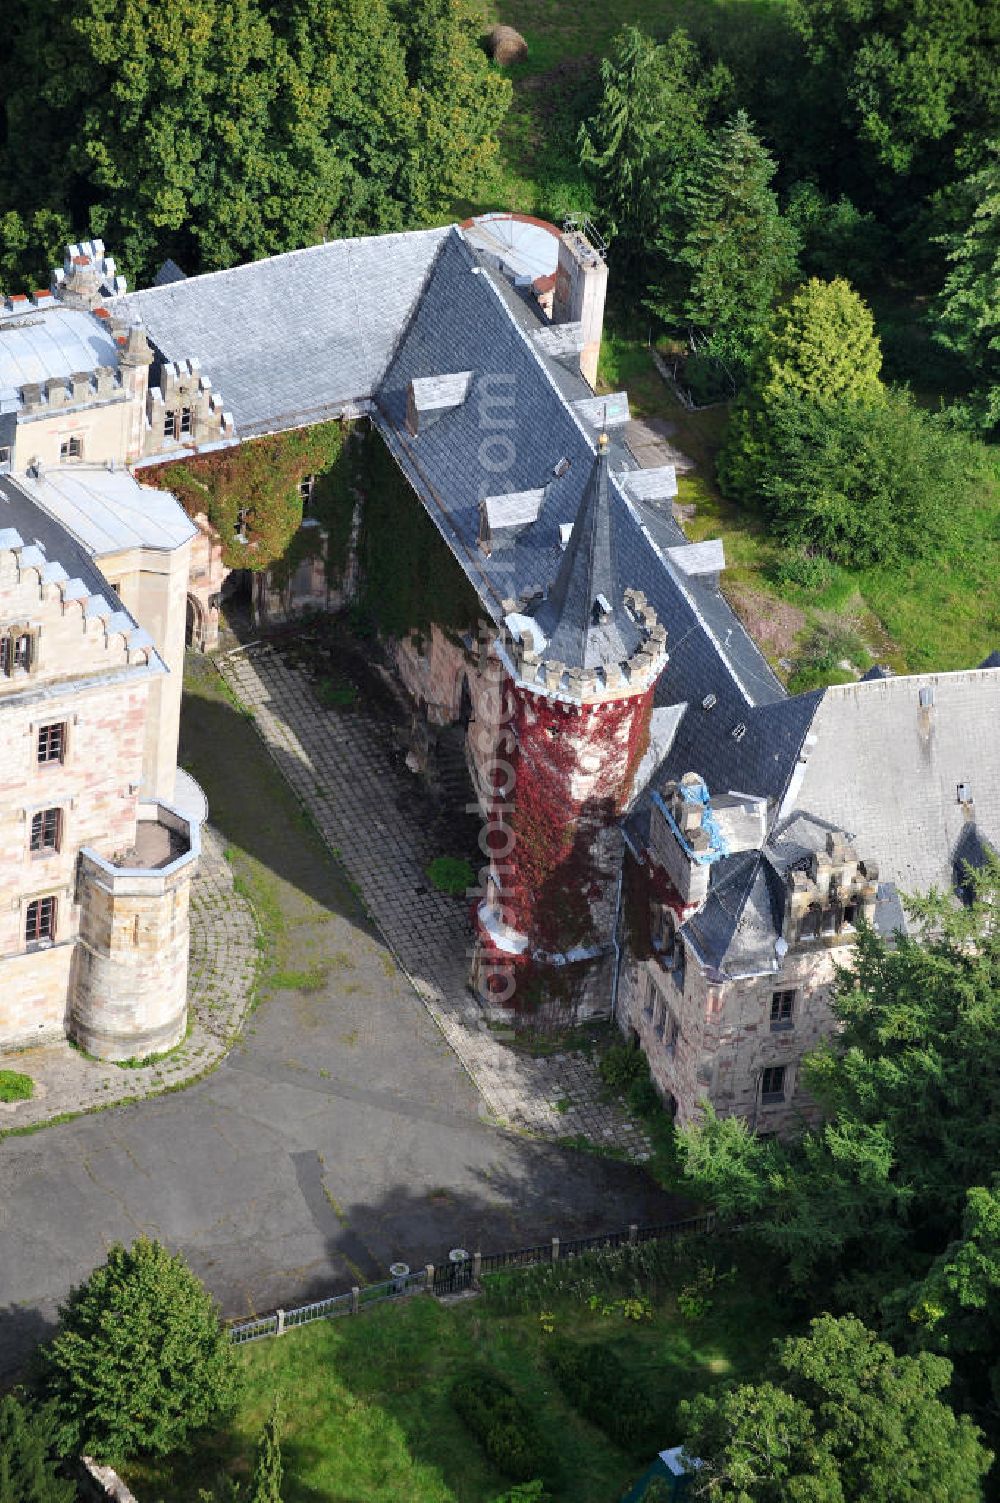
(581, 665)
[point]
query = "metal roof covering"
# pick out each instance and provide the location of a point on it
(107, 511)
(528, 248)
(296, 338)
(54, 341)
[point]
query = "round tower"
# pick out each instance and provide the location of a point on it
(580, 667)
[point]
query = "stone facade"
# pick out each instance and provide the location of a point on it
(711, 1039)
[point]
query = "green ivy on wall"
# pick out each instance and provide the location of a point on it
(261, 478)
(409, 578)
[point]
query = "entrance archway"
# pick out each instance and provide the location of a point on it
(194, 631)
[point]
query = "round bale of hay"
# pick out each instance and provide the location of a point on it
(505, 46)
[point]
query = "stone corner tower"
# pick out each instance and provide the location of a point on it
(580, 668)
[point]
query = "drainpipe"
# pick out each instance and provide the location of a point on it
(614, 941)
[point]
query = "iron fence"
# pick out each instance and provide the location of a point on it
(456, 1277)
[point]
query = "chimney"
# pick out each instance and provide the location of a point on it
(684, 838)
(580, 291)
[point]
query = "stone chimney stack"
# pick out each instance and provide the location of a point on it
(581, 287)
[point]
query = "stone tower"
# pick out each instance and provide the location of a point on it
(580, 666)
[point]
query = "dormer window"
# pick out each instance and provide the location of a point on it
(185, 422)
(71, 448)
(602, 609)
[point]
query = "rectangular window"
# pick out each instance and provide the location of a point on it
(40, 923)
(71, 448)
(45, 829)
(52, 742)
(242, 518)
(772, 1084)
(170, 425)
(4, 457)
(185, 421)
(16, 652)
(782, 1008)
(306, 490)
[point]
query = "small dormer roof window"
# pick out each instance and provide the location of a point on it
(602, 608)
(429, 397)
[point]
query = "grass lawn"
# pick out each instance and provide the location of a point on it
(368, 1412)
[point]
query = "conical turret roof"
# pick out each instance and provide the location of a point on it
(583, 616)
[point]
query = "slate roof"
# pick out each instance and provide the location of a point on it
(296, 338)
(589, 576)
(510, 434)
(735, 930)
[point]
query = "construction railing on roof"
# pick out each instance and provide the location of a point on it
(455, 1276)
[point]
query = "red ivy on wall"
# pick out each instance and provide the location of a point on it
(552, 873)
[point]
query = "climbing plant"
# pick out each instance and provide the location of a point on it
(409, 578)
(250, 494)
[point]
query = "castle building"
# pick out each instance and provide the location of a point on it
(672, 840)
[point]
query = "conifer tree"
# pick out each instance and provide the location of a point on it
(27, 1469)
(732, 246)
(139, 1358)
(968, 312)
(265, 1485)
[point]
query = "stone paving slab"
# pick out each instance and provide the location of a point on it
(339, 767)
(222, 969)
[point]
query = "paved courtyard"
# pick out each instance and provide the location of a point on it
(334, 760)
(338, 1135)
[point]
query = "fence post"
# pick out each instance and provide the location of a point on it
(477, 1263)
(429, 1278)
(555, 1249)
(633, 1232)
(279, 1329)
(355, 1300)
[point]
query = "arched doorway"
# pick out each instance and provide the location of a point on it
(194, 631)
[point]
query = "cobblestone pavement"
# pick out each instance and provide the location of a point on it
(338, 766)
(220, 984)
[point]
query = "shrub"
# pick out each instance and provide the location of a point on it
(15, 1086)
(621, 1066)
(642, 1097)
(504, 1425)
(597, 1383)
(139, 1358)
(861, 484)
(452, 875)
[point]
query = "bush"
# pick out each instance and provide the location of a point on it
(621, 1066)
(139, 1358)
(15, 1086)
(642, 1097)
(863, 485)
(503, 1424)
(597, 1383)
(452, 875)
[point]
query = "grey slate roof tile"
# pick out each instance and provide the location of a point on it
(297, 337)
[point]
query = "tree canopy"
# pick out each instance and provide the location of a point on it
(908, 75)
(845, 1420)
(968, 309)
(231, 129)
(139, 1358)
